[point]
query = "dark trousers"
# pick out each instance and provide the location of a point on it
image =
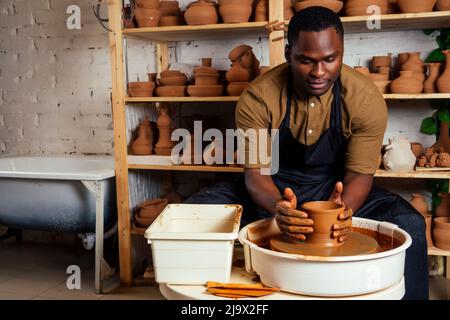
(381, 205)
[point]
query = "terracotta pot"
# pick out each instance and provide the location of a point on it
(428, 227)
(402, 58)
(206, 62)
(235, 13)
(142, 222)
(414, 63)
(173, 81)
(359, 7)
(143, 144)
(205, 90)
(407, 83)
(334, 5)
(378, 77)
(238, 74)
(169, 4)
(164, 144)
(141, 89)
(206, 80)
(325, 214)
(152, 77)
(442, 210)
(443, 83)
(419, 203)
(381, 61)
(169, 21)
(151, 209)
(429, 86)
(384, 70)
(201, 12)
(383, 86)
(248, 60)
(147, 4)
(205, 71)
(171, 91)
(238, 52)
(417, 149)
(262, 10)
(441, 233)
(170, 11)
(236, 88)
(147, 17)
(416, 6)
(171, 73)
(443, 5)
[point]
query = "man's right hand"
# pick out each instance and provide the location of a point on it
(292, 222)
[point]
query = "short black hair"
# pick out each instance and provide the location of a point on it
(313, 19)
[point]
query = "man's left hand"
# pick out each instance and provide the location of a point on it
(342, 229)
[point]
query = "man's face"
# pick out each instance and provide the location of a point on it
(316, 60)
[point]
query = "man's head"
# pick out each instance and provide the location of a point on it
(315, 49)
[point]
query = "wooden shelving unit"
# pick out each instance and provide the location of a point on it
(162, 35)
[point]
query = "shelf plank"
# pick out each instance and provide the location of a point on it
(433, 251)
(204, 32)
(392, 96)
(199, 168)
(413, 175)
(180, 99)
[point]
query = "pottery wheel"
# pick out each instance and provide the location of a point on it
(356, 244)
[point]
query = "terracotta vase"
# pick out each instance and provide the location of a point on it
(262, 11)
(444, 138)
(429, 86)
(164, 144)
(419, 203)
(417, 149)
(443, 5)
(235, 12)
(334, 5)
(407, 83)
(143, 144)
(441, 233)
(325, 214)
(151, 209)
(201, 12)
(398, 156)
(416, 6)
(443, 83)
(414, 63)
(428, 228)
(147, 17)
(443, 210)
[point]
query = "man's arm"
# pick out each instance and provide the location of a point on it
(262, 189)
(357, 188)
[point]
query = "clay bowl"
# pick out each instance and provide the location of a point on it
(147, 4)
(416, 6)
(362, 70)
(381, 61)
(173, 81)
(171, 91)
(324, 214)
(206, 79)
(147, 17)
(334, 5)
(171, 73)
(205, 90)
(169, 21)
(441, 233)
(151, 208)
(378, 77)
(236, 88)
(443, 5)
(235, 13)
(383, 86)
(141, 89)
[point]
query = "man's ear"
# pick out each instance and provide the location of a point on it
(287, 53)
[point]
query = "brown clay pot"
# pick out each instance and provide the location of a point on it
(201, 80)
(173, 81)
(429, 86)
(262, 11)
(441, 233)
(325, 214)
(417, 149)
(147, 4)
(238, 52)
(207, 62)
(238, 74)
(143, 144)
(416, 6)
(359, 7)
(164, 144)
(414, 63)
(443, 83)
(334, 5)
(147, 17)
(419, 203)
(381, 61)
(152, 77)
(171, 73)
(205, 90)
(169, 21)
(236, 88)
(442, 210)
(151, 209)
(407, 83)
(201, 12)
(141, 89)
(384, 70)
(142, 222)
(443, 5)
(171, 91)
(402, 58)
(235, 13)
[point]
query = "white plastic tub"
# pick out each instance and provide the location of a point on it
(193, 244)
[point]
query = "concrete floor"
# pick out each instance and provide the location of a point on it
(38, 272)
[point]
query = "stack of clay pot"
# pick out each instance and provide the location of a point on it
(201, 12)
(442, 5)
(171, 84)
(441, 230)
(262, 10)
(147, 211)
(147, 13)
(381, 67)
(143, 143)
(235, 11)
(288, 10)
(244, 68)
(335, 5)
(206, 81)
(164, 145)
(420, 203)
(141, 89)
(171, 14)
(416, 6)
(411, 76)
(434, 158)
(359, 7)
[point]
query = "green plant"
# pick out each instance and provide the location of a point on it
(430, 125)
(443, 42)
(437, 186)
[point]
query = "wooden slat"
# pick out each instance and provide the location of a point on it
(433, 251)
(276, 38)
(413, 175)
(199, 168)
(162, 57)
(120, 144)
(392, 96)
(181, 99)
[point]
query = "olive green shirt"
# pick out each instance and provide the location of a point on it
(364, 115)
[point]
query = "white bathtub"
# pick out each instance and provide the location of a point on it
(58, 193)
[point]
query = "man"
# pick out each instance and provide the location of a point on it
(331, 122)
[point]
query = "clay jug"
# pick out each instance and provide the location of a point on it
(443, 83)
(429, 86)
(402, 58)
(414, 63)
(201, 12)
(143, 145)
(398, 156)
(325, 214)
(419, 203)
(164, 145)
(441, 233)
(407, 83)
(443, 210)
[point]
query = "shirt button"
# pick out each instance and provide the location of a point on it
(310, 131)
(312, 104)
